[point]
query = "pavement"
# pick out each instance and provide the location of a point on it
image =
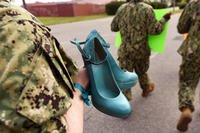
(157, 113)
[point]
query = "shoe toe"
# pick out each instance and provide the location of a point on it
(183, 123)
(117, 107)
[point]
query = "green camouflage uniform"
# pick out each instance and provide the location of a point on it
(35, 75)
(135, 21)
(189, 73)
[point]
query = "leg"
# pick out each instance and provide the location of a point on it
(126, 63)
(188, 80)
(127, 92)
(141, 68)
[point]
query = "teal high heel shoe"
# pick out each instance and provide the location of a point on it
(105, 93)
(124, 78)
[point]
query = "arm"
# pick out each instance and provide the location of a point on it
(115, 21)
(74, 115)
(154, 26)
(114, 24)
(185, 20)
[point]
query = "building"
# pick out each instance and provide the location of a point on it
(72, 8)
(98, 2)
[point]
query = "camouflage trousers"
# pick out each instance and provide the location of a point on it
(140, 66)
(188, 79)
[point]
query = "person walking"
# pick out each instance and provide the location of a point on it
(189, 73)
(136, 20)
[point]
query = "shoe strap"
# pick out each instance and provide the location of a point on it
(107, 45)
(84, 95)
(87, 57)
(78, 44)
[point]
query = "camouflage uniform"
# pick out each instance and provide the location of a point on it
(135, 20)
(189, 73)
(35, 75)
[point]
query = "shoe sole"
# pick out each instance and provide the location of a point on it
(123, 86)
(184, 125)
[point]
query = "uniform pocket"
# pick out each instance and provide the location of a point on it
(44, 96)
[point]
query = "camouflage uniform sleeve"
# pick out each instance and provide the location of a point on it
(154, 26)
(115, 21)
(185, 19)
(35, 81)
(55, 125)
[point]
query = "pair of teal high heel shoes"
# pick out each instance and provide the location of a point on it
(107, 80)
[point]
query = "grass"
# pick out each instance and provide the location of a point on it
(61, 20)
